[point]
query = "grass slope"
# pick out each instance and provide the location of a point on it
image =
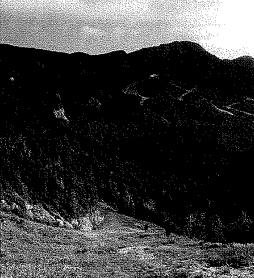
(120, 249)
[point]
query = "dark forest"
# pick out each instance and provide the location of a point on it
(163, 134)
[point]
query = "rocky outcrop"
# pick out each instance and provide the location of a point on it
(68, 225)
(74, 223)
(60, 223)
(39, 214)
(5, 207)
(85, 224)
(97, 218)
(27, 211)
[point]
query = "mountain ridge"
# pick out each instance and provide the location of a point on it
(78, 127)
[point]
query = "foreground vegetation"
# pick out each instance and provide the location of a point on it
(34, 250)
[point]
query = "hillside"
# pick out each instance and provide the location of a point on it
(163, 134)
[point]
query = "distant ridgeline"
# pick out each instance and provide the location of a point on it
(164, 134)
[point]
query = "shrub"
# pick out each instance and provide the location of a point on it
(195, 225)
(244, 224)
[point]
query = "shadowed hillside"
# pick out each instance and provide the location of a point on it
(163, 134)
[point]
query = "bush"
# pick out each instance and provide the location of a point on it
(195, 225)
(244, 224)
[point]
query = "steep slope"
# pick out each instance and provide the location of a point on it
(162, 133)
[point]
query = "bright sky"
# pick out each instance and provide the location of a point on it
(223, 27)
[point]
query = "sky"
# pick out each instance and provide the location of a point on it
(223, 27)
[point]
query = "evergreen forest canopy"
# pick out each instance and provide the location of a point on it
(164, 134)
